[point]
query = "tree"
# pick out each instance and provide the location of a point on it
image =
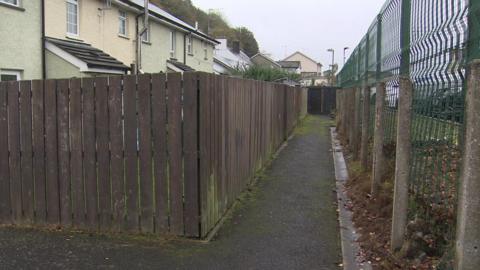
(212, 23)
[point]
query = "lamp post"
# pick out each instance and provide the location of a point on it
(333, 64)
(345, 54)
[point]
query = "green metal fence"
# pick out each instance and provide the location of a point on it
(426, 41)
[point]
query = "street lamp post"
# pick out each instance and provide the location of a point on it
(333, 64)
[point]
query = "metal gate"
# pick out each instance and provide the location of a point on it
(321, 100)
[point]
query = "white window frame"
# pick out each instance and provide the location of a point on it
(123, 19)
(16, 4)
(190, 44)
(146, 35)
(16, 73)
(76, 3)
(173, 43)
(205, 50)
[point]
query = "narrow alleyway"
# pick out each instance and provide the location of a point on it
(287, 220)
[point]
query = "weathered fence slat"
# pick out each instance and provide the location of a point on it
(76, 162)
(38, 137)
(131, 158)
(174, 106)
(5, 203)
(103, 155)
(89, 158)
(190, 149)
(145, 154)
(116, 151)
(14, 146)
(159, 122)
(26, 150)
(64, 152)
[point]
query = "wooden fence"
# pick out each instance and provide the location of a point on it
(148, 153)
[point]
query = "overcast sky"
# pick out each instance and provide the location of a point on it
(311, 26)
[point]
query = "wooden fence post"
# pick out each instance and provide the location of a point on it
(402, 166)
(378, 155)
(365, 127)
(467, 255)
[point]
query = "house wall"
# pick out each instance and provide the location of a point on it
(97, 26)
(100, 29)
(197, 60)
(307, 64)
(57, 68)
(21, 39)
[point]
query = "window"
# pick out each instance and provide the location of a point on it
(9, 75)
(190, 44)
(122, 19)
(146, 35)
(72, 17)
(173, 44)
(205, 50)
(11, 2)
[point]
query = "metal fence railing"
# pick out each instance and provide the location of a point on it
(427, 42)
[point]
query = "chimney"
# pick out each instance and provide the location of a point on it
(196, 25)
(236, 46)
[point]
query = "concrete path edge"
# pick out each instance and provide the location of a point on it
(350, 247)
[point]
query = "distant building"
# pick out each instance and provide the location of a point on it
(263, 60)
(291, 66)
(311, 70)
(227, 60)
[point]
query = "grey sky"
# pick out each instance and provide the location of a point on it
(311, 26)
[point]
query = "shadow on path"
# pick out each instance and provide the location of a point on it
(287, 220)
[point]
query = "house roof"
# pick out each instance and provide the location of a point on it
(162, 14)
(266, 58)
(229, 58)
(92, 57)
(289, 64)
(180, 66)
(304, 55)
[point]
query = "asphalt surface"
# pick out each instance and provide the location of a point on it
(288, 220)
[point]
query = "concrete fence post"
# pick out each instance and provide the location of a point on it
(357, 116)
(467, 248)
(351, 119)
(365, 127)
(402, 164)
(378, 140)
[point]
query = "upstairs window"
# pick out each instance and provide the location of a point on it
(11, 2)
(122, 19)
(72, 17)
(173, 44)
(146, 35)
(205, 50)
(190, 44)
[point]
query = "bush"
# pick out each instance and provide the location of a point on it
(267, 74)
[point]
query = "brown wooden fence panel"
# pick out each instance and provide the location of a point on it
(5, 203)
(131, 161)
(174, 106)
(76, 164)
(26, 150)
(14, 147)
(190, 145)
(38, 138)
(103, 155)
(146, 153)
(89, 158)
(159, 122)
